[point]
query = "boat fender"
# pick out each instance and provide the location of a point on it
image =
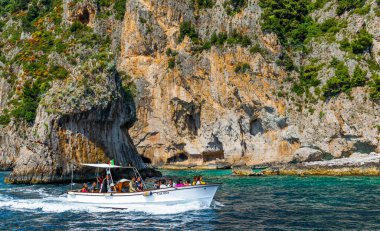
(148, 193)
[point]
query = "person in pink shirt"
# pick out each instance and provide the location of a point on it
(179, 184)
(84, 188)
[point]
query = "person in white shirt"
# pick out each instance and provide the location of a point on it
(163, 185)
(171, 184)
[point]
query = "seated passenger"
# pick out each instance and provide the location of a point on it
(139, 185)
(179, 183)
(195, 180)
(157, 184)
(187, 182)
(170, 183)
(125, 187)
(93, 187)
(132, 185)
(198, 180)
(84, 188)
(163, 184)
(201, 180)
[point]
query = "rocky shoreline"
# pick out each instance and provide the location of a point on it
(356, 165)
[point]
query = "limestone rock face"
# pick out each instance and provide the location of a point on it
(58, 143)
(83, 117)
(202, 109)
(196, 100)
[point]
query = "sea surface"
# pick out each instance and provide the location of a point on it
(242, 203)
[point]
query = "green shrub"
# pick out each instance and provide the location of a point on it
(12, 6)
(318, 4)
(30, 98)
(58, 72)
(308, 78)
(346, 5)
(130, 89)
(242, 68)
(235, 6)
(203, 4)
(359, 77)
(171, 63)
(374, 87)
(345, 45)
(170, 53)
(76, 26)
(236, 38)
(256, 49)
(218, 39)
(332, 25)
(334, 62)
(119, 7)
(187, 29)
(5, 119)
(362, 43)
(286, 61)
(104, 3)
(339, 83)
(343, 82)
(287, 18)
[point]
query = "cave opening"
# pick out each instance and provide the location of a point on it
(256, 127)
(210, 156)
(177, 158)
(84, 17)
(146, 160)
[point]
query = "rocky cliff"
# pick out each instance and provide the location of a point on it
(213, 81)
(62, 99)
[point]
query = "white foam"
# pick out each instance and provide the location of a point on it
(60, 204)
(169, 209)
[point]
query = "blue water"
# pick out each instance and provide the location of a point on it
(242, 203)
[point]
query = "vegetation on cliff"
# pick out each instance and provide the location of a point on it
(292, 22)
(39, 48)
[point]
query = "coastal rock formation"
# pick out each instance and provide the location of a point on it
(186, 83)
(234, 101)
(69, 105)
(357, 165)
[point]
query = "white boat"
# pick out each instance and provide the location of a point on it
(200, 194)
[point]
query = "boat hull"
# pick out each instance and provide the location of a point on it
(202, 194)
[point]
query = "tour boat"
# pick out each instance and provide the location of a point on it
(200, 194)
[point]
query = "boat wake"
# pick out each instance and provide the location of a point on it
(58, 204)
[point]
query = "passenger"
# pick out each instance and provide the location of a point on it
(170, 183)
(179, 184)
(132, 185)
(84, 188)
(201, 180)
(187, 182)
(93, 187)
(139, 185)
(195, 180)
(124, 187)
(198, 180)
(163, 184)
(157, 184)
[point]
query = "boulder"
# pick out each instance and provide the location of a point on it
(307, 154)
(243, 171)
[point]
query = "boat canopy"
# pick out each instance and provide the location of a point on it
(103, 166)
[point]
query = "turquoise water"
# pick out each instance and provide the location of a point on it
(242, 203)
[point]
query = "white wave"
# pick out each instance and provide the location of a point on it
(168, 209)
(217, 204)
(56, 205)
(60, 204)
